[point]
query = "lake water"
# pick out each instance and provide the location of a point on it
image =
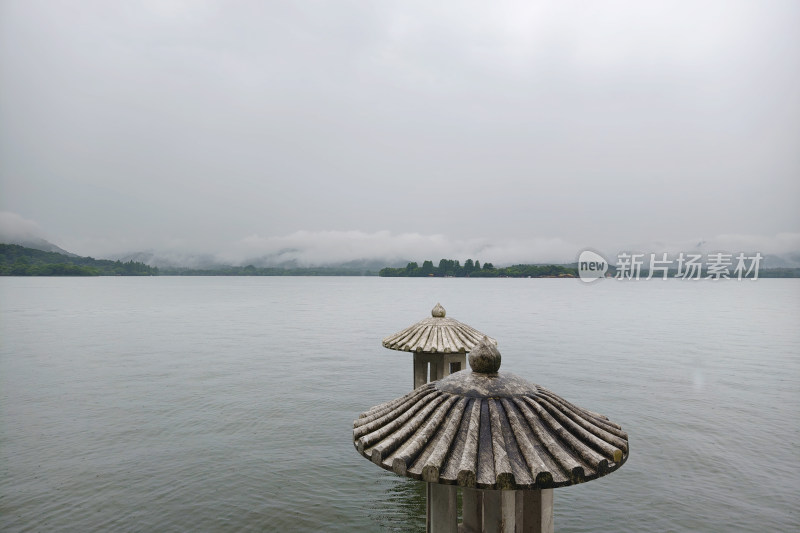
(226, 404)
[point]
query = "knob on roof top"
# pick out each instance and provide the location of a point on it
(485, 357)
(438, 311)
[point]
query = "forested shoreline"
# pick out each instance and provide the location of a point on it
(16, 260)
(452, 268)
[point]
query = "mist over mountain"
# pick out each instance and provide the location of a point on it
(15, 229)
(39, 244)
(291, 258)
(791, 260)
(169, 259)
(382, 249)
(375, 250)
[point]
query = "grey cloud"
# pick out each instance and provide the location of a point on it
(190, 124)
(323, 247)
(14, 228)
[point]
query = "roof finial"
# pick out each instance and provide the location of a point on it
(485, 357)
(438, 311)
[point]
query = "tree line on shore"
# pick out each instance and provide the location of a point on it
(474, 269)
(18, 260)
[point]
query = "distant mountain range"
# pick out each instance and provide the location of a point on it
(211, 262)
(170, 263)
(40, 244)
(38, 260)
(18, 260)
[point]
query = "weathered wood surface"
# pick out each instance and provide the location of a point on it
(437, 334)
(471, 510)
(508, 511)
(490, 431)
(442, 509)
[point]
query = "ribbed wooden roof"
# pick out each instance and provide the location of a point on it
(437, 334)
(490, 431)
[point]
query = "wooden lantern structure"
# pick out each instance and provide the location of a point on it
(439, 344)
(504, 442)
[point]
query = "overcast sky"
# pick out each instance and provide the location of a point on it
(506, 131)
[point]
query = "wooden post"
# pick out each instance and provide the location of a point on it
(509, 511)
(428, 507)
(471, 510)
(525, 515)
(420, 371)
(442, 509)
(492, 512)
(537, 511)
(508, 502)
(436, 370)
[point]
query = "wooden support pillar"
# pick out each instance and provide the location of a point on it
(536, 511)
(509, 511)
(437, 369)
(445, 366)
(420, 371)
(442, 509)
(525, 515)
(492, 512)
(508, 502)
(471, 510)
